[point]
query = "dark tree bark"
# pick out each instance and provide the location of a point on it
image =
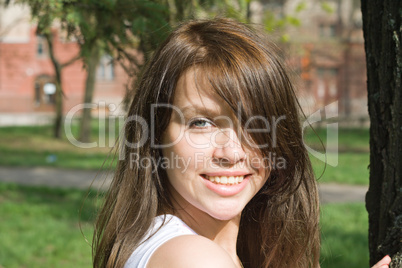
(92, 64)
(382, 34)
(59, 91)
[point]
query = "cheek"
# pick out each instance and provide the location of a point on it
(185, 158)
(197, 141)
(192, 149)
(259, 164)
(180, 157)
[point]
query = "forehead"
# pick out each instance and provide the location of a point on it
(194, 92)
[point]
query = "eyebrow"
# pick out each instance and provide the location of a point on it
(195, 109)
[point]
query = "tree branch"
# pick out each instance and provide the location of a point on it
(71, 61)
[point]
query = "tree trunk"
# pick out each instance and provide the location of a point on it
(59, 90)
(382, 34)
(92, 64)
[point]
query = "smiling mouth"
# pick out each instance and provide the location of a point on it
(225, 180)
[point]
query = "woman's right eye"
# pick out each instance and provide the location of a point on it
(201, 123)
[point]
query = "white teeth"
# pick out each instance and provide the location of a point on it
(225, 179)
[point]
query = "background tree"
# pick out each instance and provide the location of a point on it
(150, 33)
(382, 33)
(45, 13)
(99, 26)
(111, 27)
(122, 29)
(125, 28)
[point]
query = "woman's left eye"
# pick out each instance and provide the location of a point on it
(201, 123)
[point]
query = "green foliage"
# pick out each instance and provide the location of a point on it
(211, 8)
(117, 26)
(278, 23)
(301, 6)
(46, 12)
(231, 9)
(119, 22)
(112, 25)
(327, 7)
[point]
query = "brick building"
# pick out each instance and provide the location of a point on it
(27, 75)
(326, 51)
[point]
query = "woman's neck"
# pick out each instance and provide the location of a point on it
(222, 232)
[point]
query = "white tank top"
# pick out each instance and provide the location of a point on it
(172, 227)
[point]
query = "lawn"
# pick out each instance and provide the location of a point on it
(40, 227)
(34, 146)
(344, 235)
(348, 164)
(349, 139)
(352, 168)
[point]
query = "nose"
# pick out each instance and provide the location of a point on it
(228, 148)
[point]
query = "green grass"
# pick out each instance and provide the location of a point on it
(39, 227)
(349, 139)
(351, 168)
(34, 146)
(52, 158)
(348, 164)
(344, 239)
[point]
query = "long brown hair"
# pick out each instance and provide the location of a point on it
(279, 226)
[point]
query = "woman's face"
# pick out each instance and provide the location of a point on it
(208, 168)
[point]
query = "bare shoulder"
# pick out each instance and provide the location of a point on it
(190, 251)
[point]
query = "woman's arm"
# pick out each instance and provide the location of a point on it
(190, 251)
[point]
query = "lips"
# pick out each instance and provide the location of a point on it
(227, 184)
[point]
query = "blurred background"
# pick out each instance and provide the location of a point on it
(66, 75)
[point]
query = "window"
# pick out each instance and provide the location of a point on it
(327, 30)
(106, 68)
(44, 91)
(41, 47)
(49, 90)
(332, 30)
(327, 83)
(37, 94)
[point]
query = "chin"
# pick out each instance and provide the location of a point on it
(225, 214)
(225, 217)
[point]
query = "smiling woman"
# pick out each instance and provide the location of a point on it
(206, 187)
(218, 99)
(219, 105)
